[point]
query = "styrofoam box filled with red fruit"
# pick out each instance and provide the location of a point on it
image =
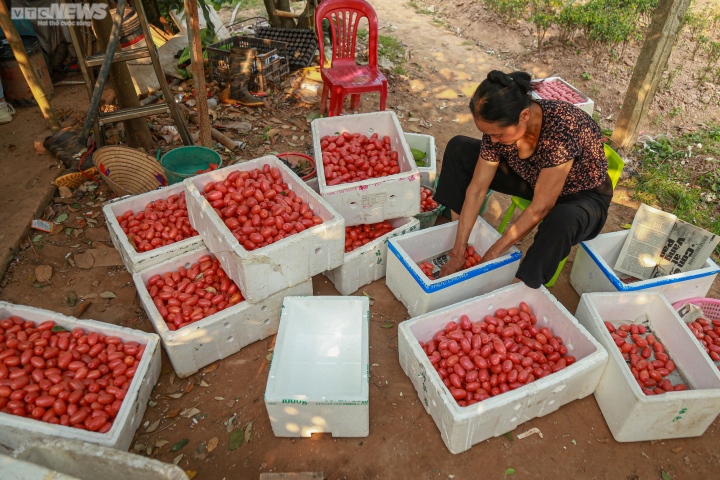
(139, 205)
(555, 88)
(132, 394)
(217, 333)
(504, 409)
(392, 189)
(632, 413)
(420, 294)
(367, 263)
(258, 268)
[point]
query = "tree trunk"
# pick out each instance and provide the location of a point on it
(198, 70)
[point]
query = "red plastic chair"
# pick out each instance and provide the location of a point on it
(345, 76)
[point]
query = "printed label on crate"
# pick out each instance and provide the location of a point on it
(373, 199)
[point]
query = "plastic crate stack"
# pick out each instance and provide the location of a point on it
(301, 44)
(270, 66)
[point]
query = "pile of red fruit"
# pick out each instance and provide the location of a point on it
(188, 295)
(352, 157)
(472, 258)
(210, 168)
(71, 378)
(708, 333)
(427, 204)
(359, 235)
(258, 207)
(161, 223)
(557, 90)
(648, 361)
(502, 352)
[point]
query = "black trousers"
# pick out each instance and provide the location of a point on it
(574, 218)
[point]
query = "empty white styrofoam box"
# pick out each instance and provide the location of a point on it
(375, 199)
(419, 294)
(313, 183)
(425, 143)
(320, 373)
(83, 461)
(592, 272)
(15, 430)
(366, 264)
(588, 106)
(631, 415)
(217, 336)
(463, 427)
(135, 261)
(262, 272)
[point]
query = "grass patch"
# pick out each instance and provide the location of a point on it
(682, 176)
(438, 23)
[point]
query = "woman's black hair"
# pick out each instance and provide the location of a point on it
(501, 97)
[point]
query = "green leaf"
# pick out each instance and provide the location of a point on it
(179, 445)
(37, 238)
(68, 230)
(61, 218)
(509, 435)
(72, 298)
(58, 328)
(665, 476)
(236, 438)
(626, 226)
(509, 471)
(388, 325)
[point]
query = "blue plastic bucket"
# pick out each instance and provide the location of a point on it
(185, 162)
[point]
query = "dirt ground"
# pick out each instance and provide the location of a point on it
(404, 442)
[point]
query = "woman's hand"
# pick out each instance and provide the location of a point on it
(455, 264)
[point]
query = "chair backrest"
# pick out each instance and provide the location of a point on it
(344, 17)
(615, 164)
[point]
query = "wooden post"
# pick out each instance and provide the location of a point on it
(31, 77)
(661, 37)
(198, 69)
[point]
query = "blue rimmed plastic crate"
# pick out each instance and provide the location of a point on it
(419, 293)
(592, 272)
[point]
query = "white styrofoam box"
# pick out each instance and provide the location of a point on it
(313, 183)
(631, 415)
(15, 430)
(12, 468)
(425, 143)
(463, 427)
(133, 260)
(419, 294)
(588, 106)
(592, 272)
(375, 199)
(368, 263)
(83, 461)
(262, 272)
(217, 336)
(320, 372)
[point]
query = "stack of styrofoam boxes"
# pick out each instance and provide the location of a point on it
(320, 372)
(425, 143)
(463, 427)
(420, 294)
(366, 264)
(133, 260)
(593, 272)
(587, 106)
(631, 415)
(15, 430)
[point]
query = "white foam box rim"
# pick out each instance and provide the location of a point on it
(302, 400)
(14, 430)
(425, 143)
(356, 272)
(418, 293)
(217, 336)
(262, 272)
(592, 271)
(463, 427)
(588, 106)
(16, 469)
(631, 415)
(135, 261)
(375, 199)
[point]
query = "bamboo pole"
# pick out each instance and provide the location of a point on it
(31, 77)
(198, 69)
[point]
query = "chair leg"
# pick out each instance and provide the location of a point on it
(557, 273)
(334, 99)
(383, 96)
(506, 218)
(355, 101)
(324, 98)
(340, 102)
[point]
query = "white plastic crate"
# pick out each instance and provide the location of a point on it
(368, 263)
(463, 427)
(320, 373)
(588, 106)
(592, 272)
(83, 461)
(133, 260)
(15, 430)
(425, 143)
(631, 415)
(420, 294)
(217, 336)
(375, 199)
(262, 272)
